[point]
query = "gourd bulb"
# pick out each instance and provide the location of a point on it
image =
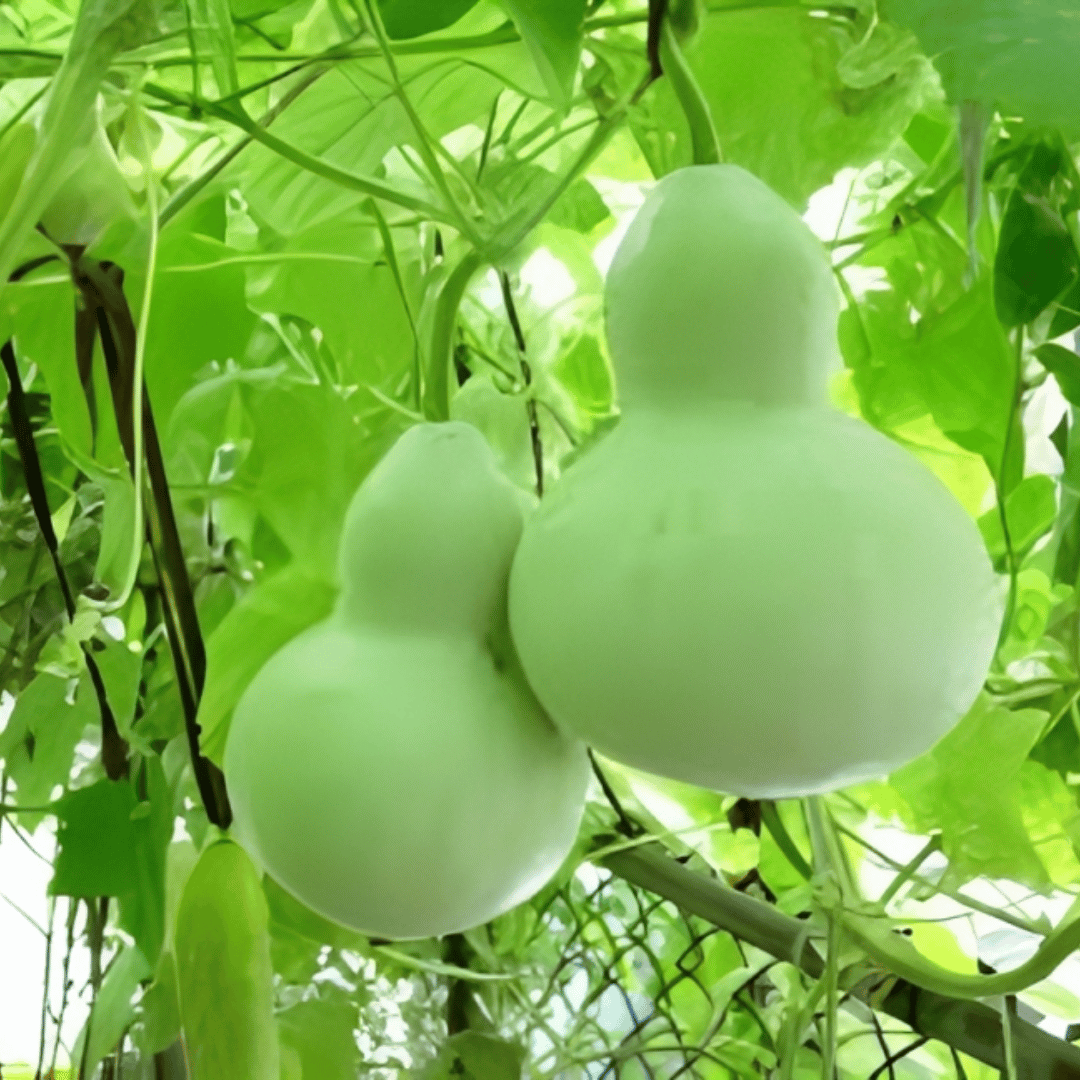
(740, 587)
(390, 767)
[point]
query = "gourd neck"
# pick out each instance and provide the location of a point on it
(429, 537)
(720, 292)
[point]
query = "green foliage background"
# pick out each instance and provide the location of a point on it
(312, 207)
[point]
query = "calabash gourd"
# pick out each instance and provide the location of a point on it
(390, 767)
(740, 587)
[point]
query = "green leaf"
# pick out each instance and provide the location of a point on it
(95, 837)
(335, 276)
(113, 1010)
(968, 380)
(225, 980)
(40, 312)
(471, 1055)
(212, 22)
(553, 31)
(580, 208)
(121, 670)
(269, 615)
(198, 315)
(159, 1009)
(1036, 260)
(38, 743)
(1030, 511)
(968, 787)
(102, 28)
(321, 1032)
(1019, 55)
(1064, 365)
(111, 844)
(791, 98)
(413, 18)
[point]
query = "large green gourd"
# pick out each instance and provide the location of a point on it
(390, 766)
(741, 587)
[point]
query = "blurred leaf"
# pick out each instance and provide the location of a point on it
(968, 380)
(95, 838)
(160, 1009)
(968, 787)
(1064, 365)
(1016, 54)
(346, 289)
(310, 453)
(212, 22)
(223, 969)
(471, 1055)
(580, 208)
(321, 1031)
(412, 18)
(1030, 511)
(553, 31)
(113, 1010)
(268, 616)
(199, 315)
(794, 98)
(286, 912)
(38, 743)
(1037, 260)
(121, 670)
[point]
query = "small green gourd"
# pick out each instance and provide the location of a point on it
(390, 766)
(224, 976)
(740, 587)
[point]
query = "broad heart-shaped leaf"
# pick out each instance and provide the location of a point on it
(320, 1030)
(553, 31)
(268, 615)
(351, 119)
(1030, 511)
(968, 373)
(1018, 55)
(413, 18)
(311, 450)
(794, 98)
(336, 276)
(113, 844)
(113, 1010)
(968, 786)
(38, 743)
(95, 836)
(198, 314)
(226, 983)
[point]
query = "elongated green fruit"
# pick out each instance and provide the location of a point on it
(224, 977)
(740, 587)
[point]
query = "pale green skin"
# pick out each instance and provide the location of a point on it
(390, 766)
(740, 587)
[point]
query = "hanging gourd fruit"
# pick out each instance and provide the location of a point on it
(740, 587)
(390, 766)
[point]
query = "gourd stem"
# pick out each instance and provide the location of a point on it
(436, 396)
(875, 936)
(966, 1024)
(703, 137)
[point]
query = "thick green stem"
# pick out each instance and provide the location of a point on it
(968, 1025)
(436, 396)
(703, 137)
